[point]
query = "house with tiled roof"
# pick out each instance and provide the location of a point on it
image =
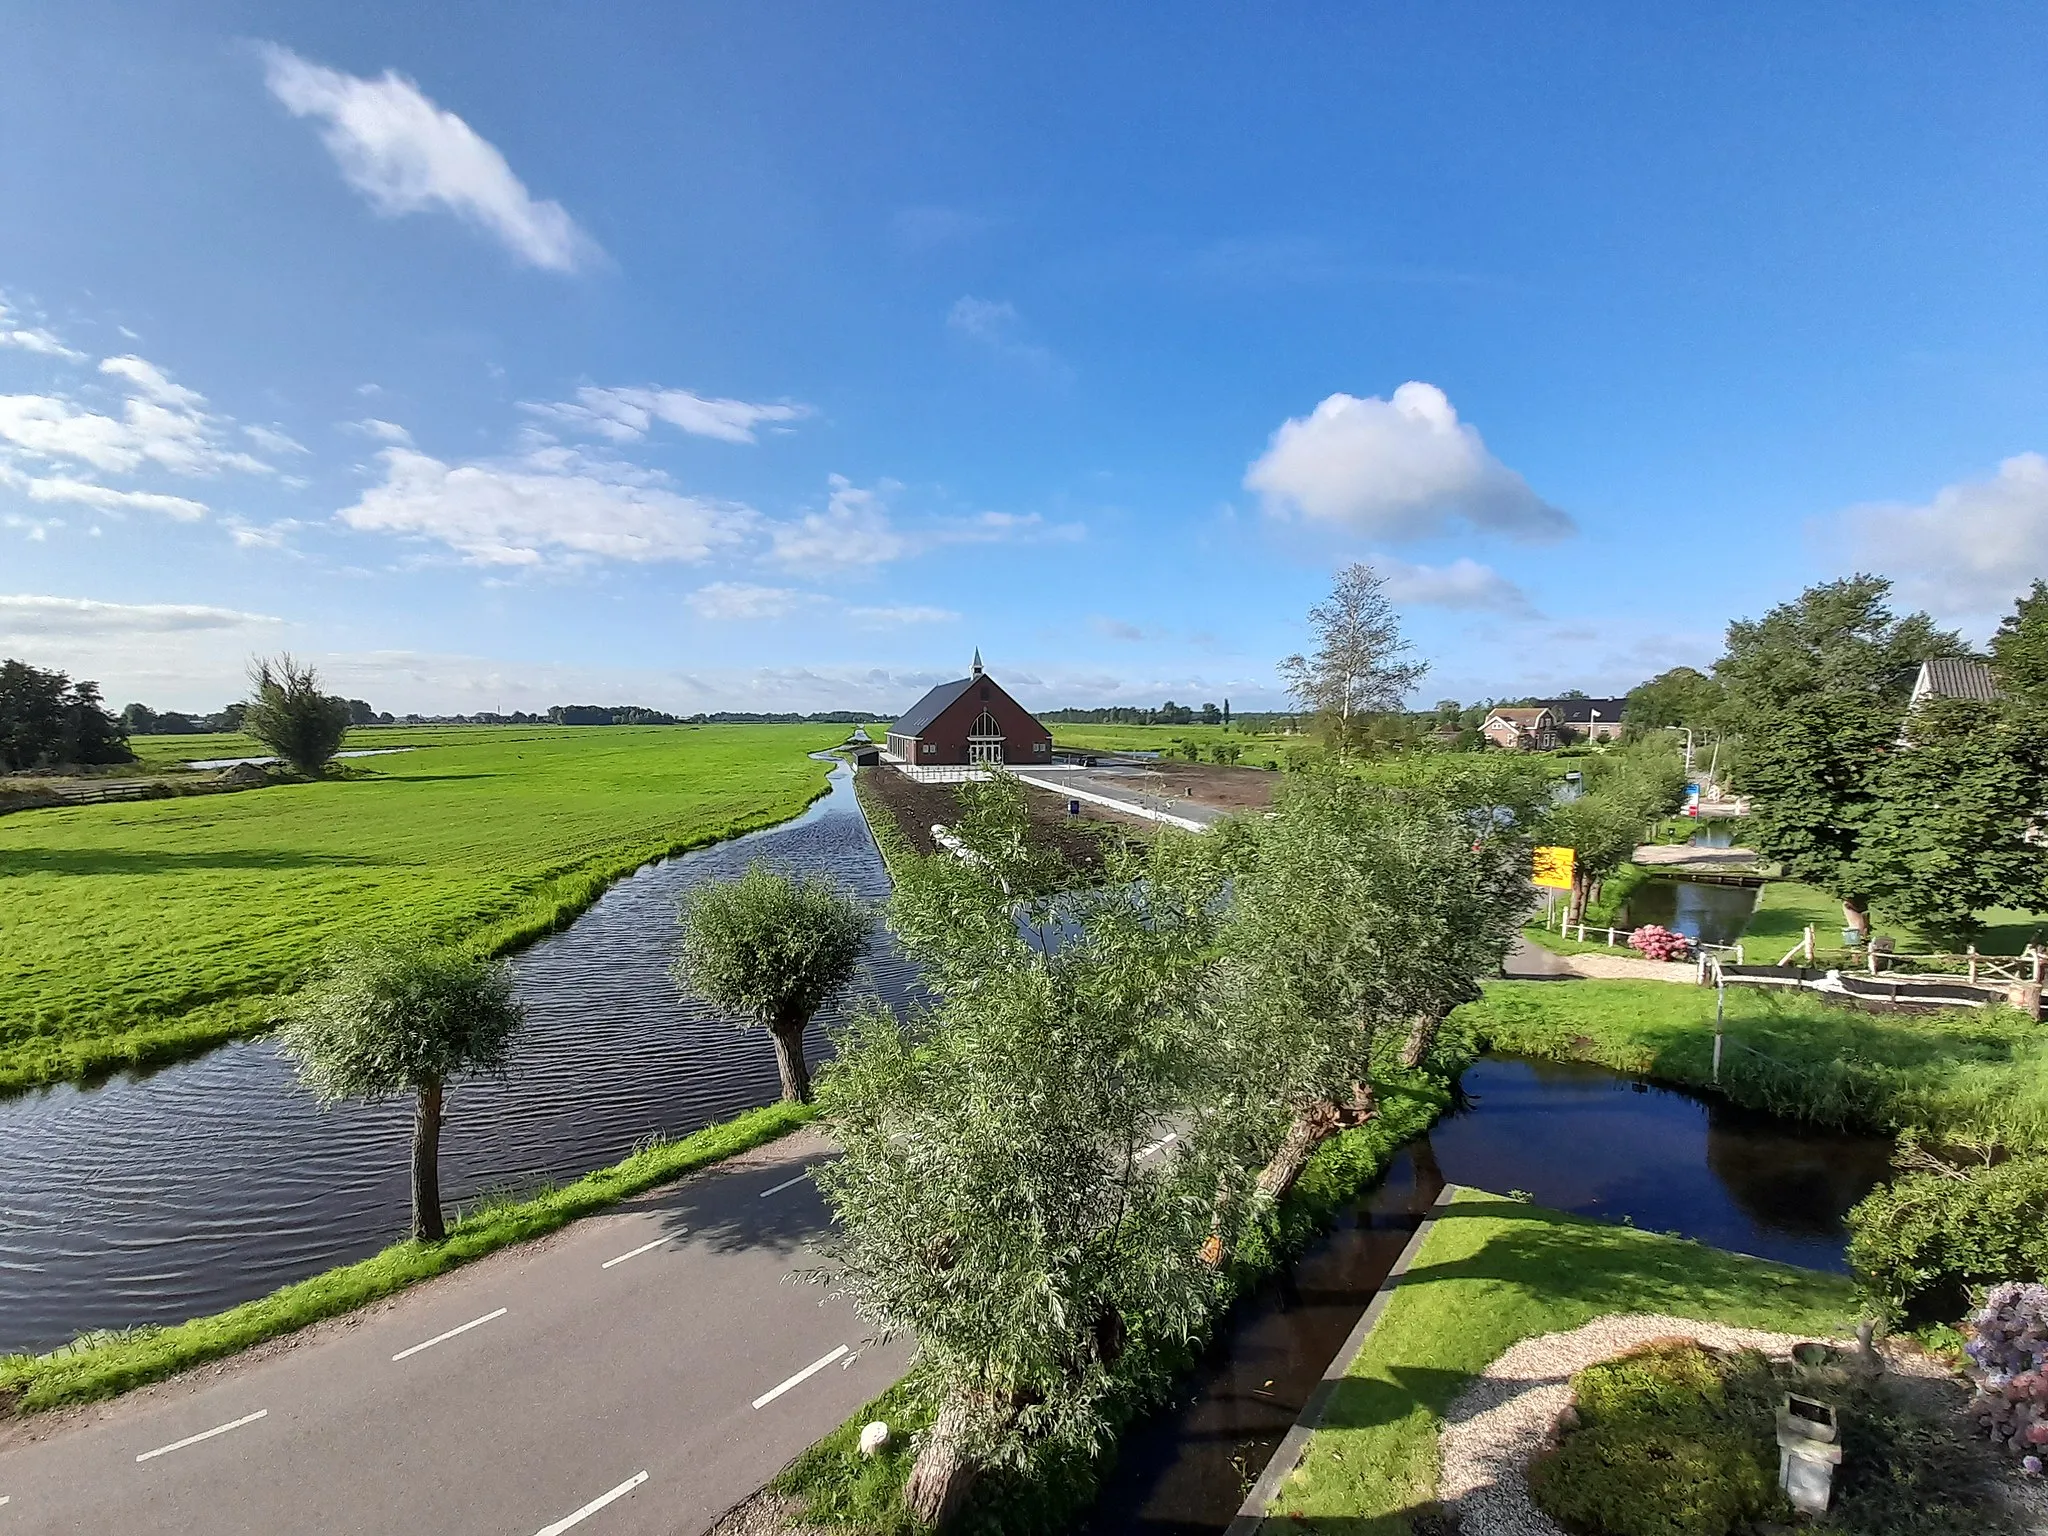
(1954, 677)
(1519, 729)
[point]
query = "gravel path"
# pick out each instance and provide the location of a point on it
(1503, 1418)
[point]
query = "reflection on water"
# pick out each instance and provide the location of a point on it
(1713, 914)
(160, 1197)
(1577, 1138)
(1718, 833)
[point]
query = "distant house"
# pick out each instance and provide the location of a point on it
(1521, 729)
(1586, 719)
(1952, 678)
(971, 720)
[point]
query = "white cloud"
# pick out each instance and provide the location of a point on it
(270, 440)
(515, 516)
(1464, 583)
(57, 488)
(724, 600)
(153, 382)
(405, 154)
(853, 530)
(32, 617)
(1116, 629)
(996, 325)
(1971, 550)
(31, 338)
(624, 415)
(383, 431)
(897, 618)
(1403, 468)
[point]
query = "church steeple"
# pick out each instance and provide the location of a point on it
(977, 662)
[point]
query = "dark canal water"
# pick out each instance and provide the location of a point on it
(1574, 1137)
(159, 1197)
(1710, 913)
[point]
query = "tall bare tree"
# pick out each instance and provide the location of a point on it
(1359, 666)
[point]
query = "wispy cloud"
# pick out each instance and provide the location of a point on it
(406, 154)
(901, 617)
(29, 616)
(996, 325)
(740, 600)
(625, 415)
(1463, 584)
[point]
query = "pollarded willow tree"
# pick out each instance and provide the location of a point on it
(290, 715)
(996, 1197)
(773, 949)
(1360, 666)
(1363, 913)
(388, 1020)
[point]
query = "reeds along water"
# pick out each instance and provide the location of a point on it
(159, 1197)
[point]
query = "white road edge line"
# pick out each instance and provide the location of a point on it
(594, 1506)
(786, 1184)
(204, 1434)
(1159, 1145)
(798, 1379)
(442, 1338)
(643, 1248)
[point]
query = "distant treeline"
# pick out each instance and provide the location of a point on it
(636, 714)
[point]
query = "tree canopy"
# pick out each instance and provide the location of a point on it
(772, 949)
(290, 715)
(1360, 664)
(1840, 637)
(48, 721)
(1680, 696)
(2019, 650)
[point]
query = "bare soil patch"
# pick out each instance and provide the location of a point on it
(916, 807)
(1211, 784)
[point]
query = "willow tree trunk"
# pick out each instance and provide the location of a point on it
(426, 1164)
(946, 1467)
(1312, 1127)
(789, 1058)
(1421, 1036)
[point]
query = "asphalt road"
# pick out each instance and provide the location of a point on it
(632, 1375)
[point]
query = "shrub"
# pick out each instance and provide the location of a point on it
(1670, 1443)
(2008, 1350)
(1655, 943)
(1920, 1244)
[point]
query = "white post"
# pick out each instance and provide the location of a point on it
(1738, 952)
(1809, 943)
(1720, 1011)
(1610, 936)
(1973, 962)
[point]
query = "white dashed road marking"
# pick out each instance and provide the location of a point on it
(643, 1248)
(786, 1184)
(799, 1378)
(204, 1434)
(442, 1338)
(594, 1506)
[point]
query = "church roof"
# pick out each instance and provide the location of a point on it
(927, 709)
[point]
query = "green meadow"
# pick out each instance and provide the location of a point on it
(1161, 738)
(143, 931)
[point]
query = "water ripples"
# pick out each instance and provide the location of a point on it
(157, 1197)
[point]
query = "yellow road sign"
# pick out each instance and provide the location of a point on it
(1553, 868)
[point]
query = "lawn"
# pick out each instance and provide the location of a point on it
(1494, 1272)
(1161, 738)
(1963, 1075)
(138, 932)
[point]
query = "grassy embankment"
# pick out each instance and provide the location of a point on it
(137, 933)
(838, 1487)
(1494, 1272)
(1960, 1076)
(104, 1368)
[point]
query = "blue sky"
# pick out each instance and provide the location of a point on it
(501, 355)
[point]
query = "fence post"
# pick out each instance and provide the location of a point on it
(1738, 951)
(1610, 936)
(1809, 943)
(1973, 963)
(1720, 1010)
(1870, 944)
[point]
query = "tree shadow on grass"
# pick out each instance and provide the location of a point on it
(116, 861)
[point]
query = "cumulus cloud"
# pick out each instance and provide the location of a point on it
(854, 530)
(1464, 583)
(31, 338)
(1402, 468)
(25, 616)
(624, 415)
(512, 515)
(405, 154)
(151, 382)
(723, 600)
(161, 423)
(899, 617)
(1968, 552)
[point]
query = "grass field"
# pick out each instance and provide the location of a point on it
(1492, 1273)
(1785, 907)
(1964, 1075)
(140, 932)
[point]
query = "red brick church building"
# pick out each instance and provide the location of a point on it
(970, 721)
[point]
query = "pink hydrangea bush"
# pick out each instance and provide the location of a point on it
(2008, 1352)
(1655, 943)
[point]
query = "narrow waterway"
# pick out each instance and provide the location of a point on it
(1578, 1138)
(161, 1196)
(1703, 910)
